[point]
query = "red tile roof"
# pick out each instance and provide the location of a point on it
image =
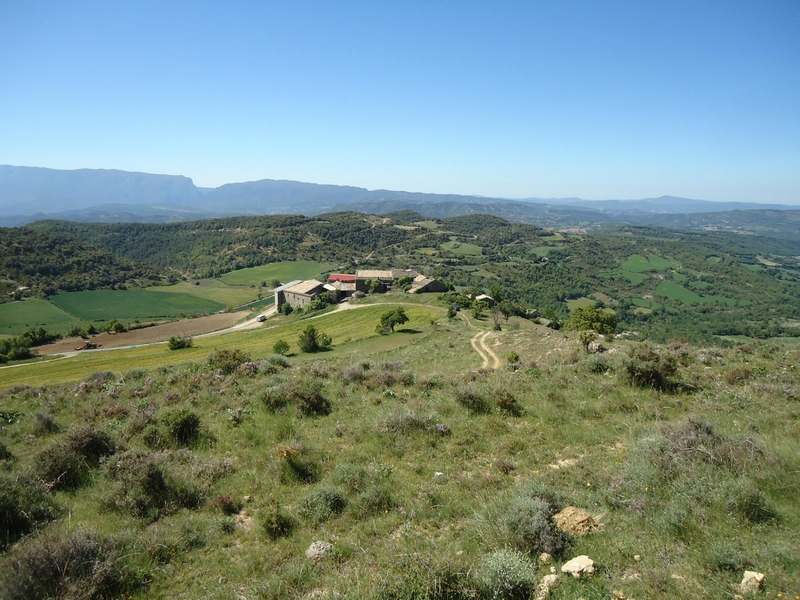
(340, 277)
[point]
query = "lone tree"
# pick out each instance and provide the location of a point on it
(312, 340)
(591, 318)
(391, 319)
(281, 347)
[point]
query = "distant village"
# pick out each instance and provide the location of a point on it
(340, 286)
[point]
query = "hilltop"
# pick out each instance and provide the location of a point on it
(436, 462)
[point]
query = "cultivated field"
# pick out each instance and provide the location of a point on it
(125, 305)
(18, 317)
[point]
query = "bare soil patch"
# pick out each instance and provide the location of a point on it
(148, 335)
(575, 521)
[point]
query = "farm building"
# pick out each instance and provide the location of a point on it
(424, 284)
(299, 293)
(484, 298)
(385, 277)
(344, 284)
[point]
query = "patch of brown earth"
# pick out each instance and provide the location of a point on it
(575, 521)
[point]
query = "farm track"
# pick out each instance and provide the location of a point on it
(488, 356)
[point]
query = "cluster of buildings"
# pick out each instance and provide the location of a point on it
(342, 285)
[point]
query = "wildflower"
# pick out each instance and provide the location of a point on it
(588, 484)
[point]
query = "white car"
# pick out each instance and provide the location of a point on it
(261, 318)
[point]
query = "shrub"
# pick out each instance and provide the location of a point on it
(24, 506)
(646, 366)
(182, 424)
(351, 477)
(749, 503)
(529, 523)
(226, 361)
(309, 398)
(508, 575)
(738, 375)
(507, 403)
(227, 504)
(65, 464)
(275, 522)
(5, 453)
(377, 498)
(597, 363)
(403, 422)
(278, 360)
(472, 400)
(281, 347)
(177, 342)
(354, 374)
(68, 565)
(45, 423)
(311, 340)
(512, 358)
(296, 466)
(322, 504)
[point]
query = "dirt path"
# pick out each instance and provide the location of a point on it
(488, 356)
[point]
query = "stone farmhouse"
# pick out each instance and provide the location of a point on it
(299, 294)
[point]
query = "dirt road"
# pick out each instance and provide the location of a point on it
(488, 356)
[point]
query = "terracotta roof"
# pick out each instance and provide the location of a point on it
(341, 277)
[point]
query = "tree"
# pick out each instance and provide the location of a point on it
(285, 309)
(591, 318)
(478, 307)
(496, 292)
(281, 347)
(178, 342)
(312, 340)
(507, 309)
(586, 337)
(389, 320)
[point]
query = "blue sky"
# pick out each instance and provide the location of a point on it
(513, 99)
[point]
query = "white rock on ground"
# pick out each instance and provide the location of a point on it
(545, 558)
(751, 582)
(578, 566)
(547, 583)
(318, 550)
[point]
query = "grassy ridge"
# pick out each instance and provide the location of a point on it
(420, 471)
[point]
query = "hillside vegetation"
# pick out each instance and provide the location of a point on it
(417, 473)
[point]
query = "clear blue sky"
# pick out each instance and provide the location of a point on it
(513, 99)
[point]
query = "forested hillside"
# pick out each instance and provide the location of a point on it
(663, 283)
(48, 263)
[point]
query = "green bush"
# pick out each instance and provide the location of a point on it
(183, 425)
(45, 423)
(351, 477)
(311, 340)
(5, 453)
(507, 575)
(646, 366)
(226, 361)
(375, 499)
(178, 342)
(24, 506)
(323, 504)
(745, 501)
(528, 520)
(275, 522)
(473, 401)
(68, 565)
(281, 347)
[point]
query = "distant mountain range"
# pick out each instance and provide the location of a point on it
(93, 195)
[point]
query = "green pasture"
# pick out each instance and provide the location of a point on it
(755, 268)
(633, 278)
(679, 277)
(477, 271)
(648, 304)
(426, 224)
(17, 317)
(767, 262)
(213, 290)
(699, 285)
(712, 260)
(673, 291)
(349, 329)
(637, 263)
(283, 271)
(101, 305)
(462, 249)
(580, 303)
(553, 237)
(604, 298)
(428, 251)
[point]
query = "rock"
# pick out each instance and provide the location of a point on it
(545, 558)
(318, 550)
(618, 595)
(574, 521)
(751, 582)
(547, 583)
(638, 558)
(578, 566)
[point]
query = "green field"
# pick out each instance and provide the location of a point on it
(102, 305)
(679, 277)
(633, 278)
(580, 303)
(17, 317)
(648, 304)
(712, 260)
(427, 224)
(673, 291)
(428, 251)
(213, 290)
(350, 330)
(462, 249)
(282, 271)
(637, 263)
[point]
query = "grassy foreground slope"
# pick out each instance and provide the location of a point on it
(428, 477)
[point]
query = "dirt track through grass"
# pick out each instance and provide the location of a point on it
(488, 356)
